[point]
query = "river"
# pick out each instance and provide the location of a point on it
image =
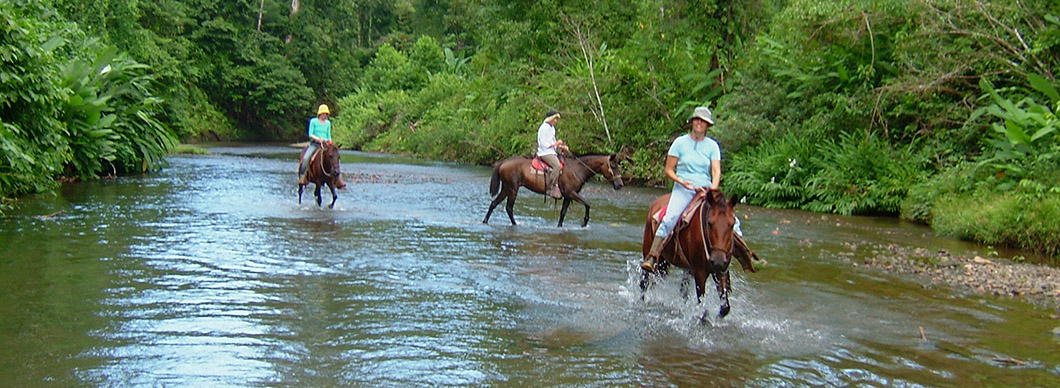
(209, 273)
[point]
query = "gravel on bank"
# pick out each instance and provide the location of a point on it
(1037, 284)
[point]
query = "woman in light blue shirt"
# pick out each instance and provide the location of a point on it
(694, 164)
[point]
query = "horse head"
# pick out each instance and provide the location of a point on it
(719, 224)
(611, 172)
(332, 166)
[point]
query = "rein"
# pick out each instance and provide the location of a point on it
(322, 169)
(614, 175)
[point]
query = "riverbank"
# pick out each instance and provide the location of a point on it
(1035, 283)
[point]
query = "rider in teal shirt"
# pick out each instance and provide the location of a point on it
(319, 134)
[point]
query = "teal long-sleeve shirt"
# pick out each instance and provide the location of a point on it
(319, 129)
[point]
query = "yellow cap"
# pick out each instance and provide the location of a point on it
(322, 110)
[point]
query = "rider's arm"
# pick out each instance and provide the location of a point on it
(671, 172)
(312, 137)
(715, 174)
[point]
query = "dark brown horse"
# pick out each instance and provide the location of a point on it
(704, 246)
(324, 169)
(510, 174)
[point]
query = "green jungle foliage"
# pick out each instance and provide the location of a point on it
(917, 108)
(69, 106)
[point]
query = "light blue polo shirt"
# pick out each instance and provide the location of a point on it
(694, 157)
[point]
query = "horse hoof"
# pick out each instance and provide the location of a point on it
(724, 311)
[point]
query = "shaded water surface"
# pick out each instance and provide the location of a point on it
(209, 273)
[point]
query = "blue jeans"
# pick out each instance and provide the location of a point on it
(309, 151)
(680, 197)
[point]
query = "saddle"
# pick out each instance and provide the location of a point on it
(541, 166)
(312, 159)
(686, 215)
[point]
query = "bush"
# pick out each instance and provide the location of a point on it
(862, 174)
(774, 173)
(1010, 218)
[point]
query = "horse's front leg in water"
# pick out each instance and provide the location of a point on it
(334, 197)
(563, 211)
(722, 281)
(317, 193)
(300, 187)
(577, 197)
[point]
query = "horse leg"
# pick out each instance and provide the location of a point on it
(493, 205)
(723, 282)
(510, 206)
(686, 281)
(700, 276)
(645, 282)
(334, 197)
(578, 197)
(720, 270)
(300, 187)
(317, 194)
(563, 211)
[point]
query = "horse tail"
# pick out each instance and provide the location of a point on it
(495, 181)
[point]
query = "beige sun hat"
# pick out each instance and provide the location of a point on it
(704, 113)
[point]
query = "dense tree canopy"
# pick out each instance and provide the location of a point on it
(911, 107)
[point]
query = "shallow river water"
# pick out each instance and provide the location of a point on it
(209, 273)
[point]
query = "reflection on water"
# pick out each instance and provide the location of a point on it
(210, 274)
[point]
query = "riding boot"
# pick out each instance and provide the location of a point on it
(552, 187)
(650, 261)
(554, 192)
(303, 176)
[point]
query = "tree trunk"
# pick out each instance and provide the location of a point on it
(261, 10)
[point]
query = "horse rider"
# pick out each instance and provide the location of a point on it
(694, 164)
(547, 144)
(319, 134)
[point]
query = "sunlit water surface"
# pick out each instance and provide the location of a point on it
(209, 273)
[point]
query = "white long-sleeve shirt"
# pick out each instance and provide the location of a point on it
(546, 137)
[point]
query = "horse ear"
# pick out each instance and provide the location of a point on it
(624, 153)
(713, 196)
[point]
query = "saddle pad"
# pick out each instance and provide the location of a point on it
(538, 165)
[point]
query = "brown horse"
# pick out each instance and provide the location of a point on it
(705, 243)
(510, 174)
(323, 169)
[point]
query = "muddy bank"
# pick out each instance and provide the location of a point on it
(1037, 284)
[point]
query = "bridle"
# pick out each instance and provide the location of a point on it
(704, 223)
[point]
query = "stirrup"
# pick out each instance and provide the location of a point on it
(648, 264)
(555, 193)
